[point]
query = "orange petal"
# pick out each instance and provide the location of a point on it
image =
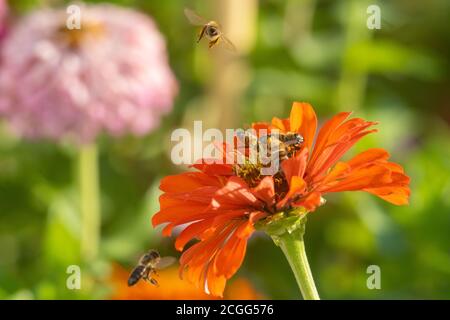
(295, 166)
(324, 133)
(265, 190)
(364, 178)
(395, 195)
(332, 154)
(214, 168)
(199, 259)
(394, 167)
(231, 256)
(261, 126)
(256, 216)
(397, 191)
(281, 124)
(199, 195)
(303, 120)
(205, 249)
(340, 169)
(187, 181)
(235, 194)
(310, 202)
(180, 220)
(175, 212)
(191, 231)
(296, 186)
(296, 116)
(368, 156)
(215, 283)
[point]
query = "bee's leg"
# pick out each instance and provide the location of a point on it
(148, 278)
(154, 282)
(202, 33)
(212, 43)
(146, 275)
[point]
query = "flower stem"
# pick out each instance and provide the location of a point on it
(293, 247)
(89, 201)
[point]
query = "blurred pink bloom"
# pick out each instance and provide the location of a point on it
(110, 76)
(3, 11)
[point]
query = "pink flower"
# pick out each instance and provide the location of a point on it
(3, 12)
(111, 76)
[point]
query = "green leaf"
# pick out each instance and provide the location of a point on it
(386, 56)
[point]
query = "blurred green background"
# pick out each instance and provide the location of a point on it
(296, 50)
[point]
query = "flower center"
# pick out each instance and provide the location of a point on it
(249, 172)
(75, 37)
(281, 185)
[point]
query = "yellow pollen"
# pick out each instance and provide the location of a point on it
(250, 173)
(74, 37)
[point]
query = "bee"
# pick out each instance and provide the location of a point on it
(147, 266)
(287, 144)
(210, 29)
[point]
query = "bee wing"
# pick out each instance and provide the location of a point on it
(241, 135)
(248, 135)
(246, 146)
(264, 139)
(164, 262)
(269, 142)
(194, 18)
(227, 43)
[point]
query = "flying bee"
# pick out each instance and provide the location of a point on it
(148, 264)
(210, 29)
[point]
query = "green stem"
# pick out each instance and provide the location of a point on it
(89, 201)
(293, 247)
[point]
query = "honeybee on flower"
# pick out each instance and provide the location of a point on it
(222, 204)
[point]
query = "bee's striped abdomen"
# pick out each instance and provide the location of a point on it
(136, 275)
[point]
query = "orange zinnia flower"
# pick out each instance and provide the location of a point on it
(222, 202)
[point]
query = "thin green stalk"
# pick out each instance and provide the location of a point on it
(89, 201)
(293, 247)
